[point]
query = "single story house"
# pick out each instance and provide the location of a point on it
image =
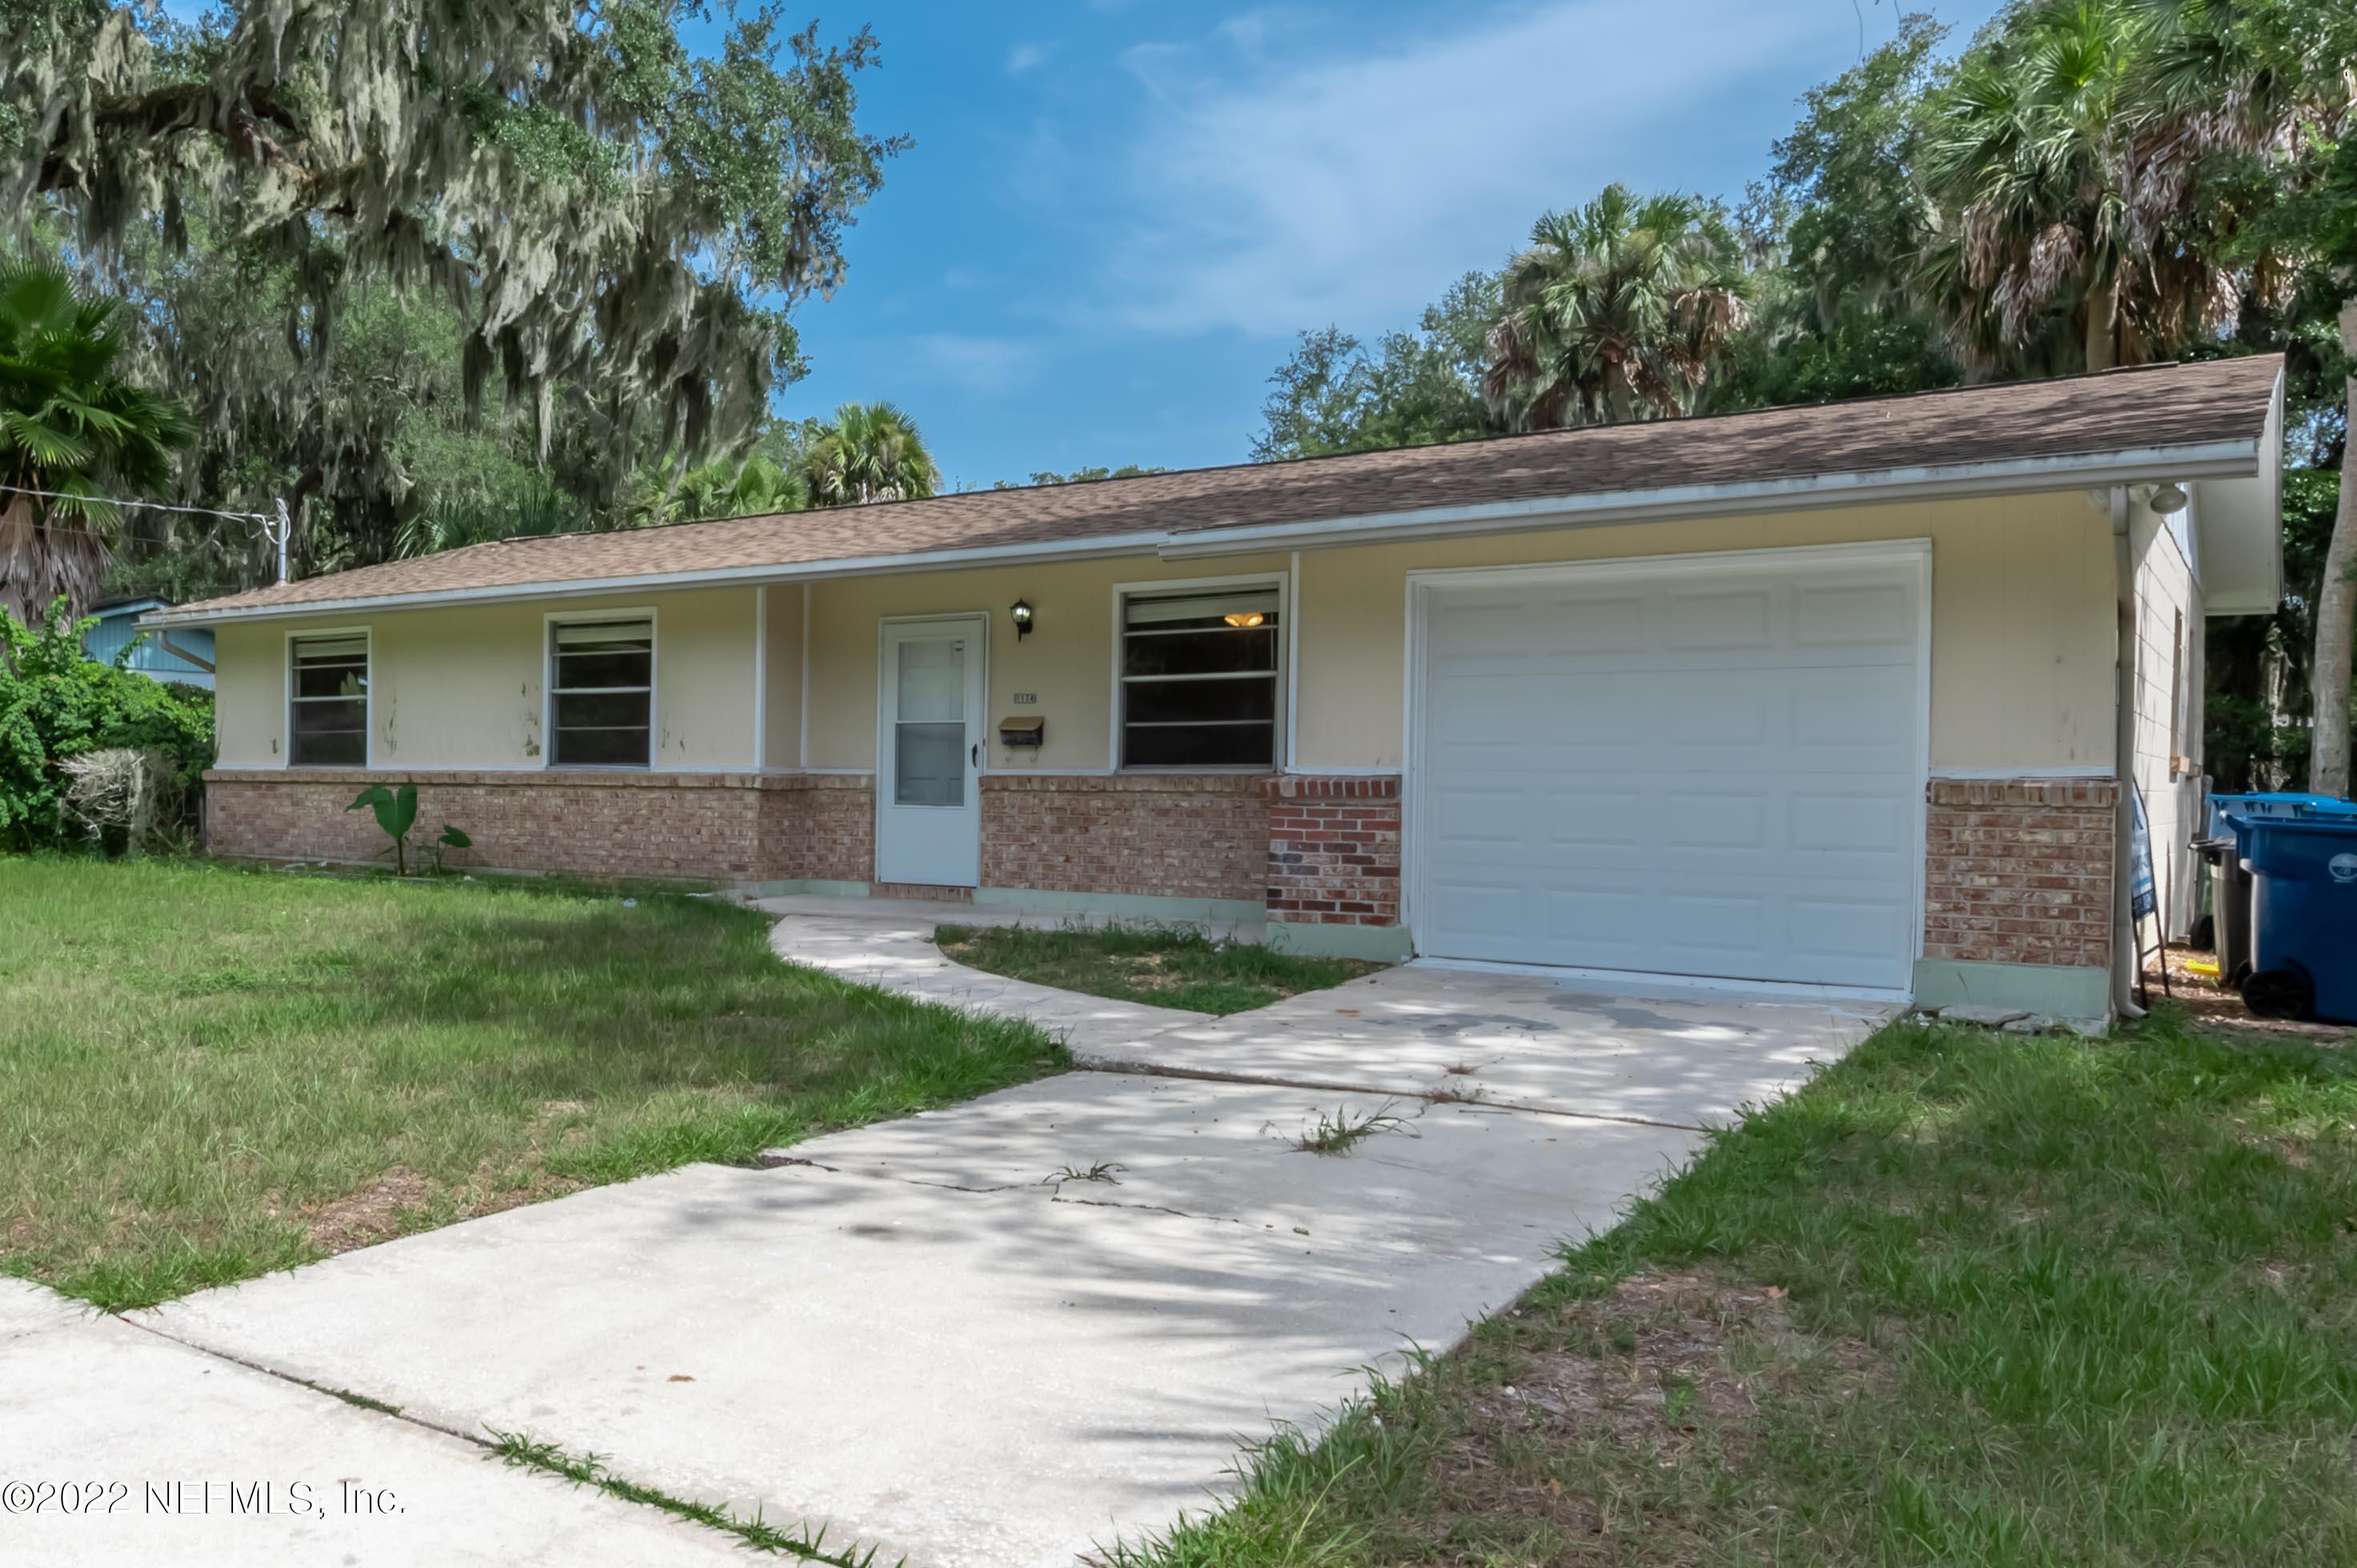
(184, 656)
(1845, 699)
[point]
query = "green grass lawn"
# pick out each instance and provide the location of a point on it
(1170, 966)
(207, 1073)
(1969, 1299)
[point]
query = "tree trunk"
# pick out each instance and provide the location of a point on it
(2102, 326)
(2336, 603)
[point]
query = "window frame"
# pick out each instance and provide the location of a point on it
(1280, 725)
(368, 695)
(548, 689)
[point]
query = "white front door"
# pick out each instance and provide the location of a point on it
(929, 752)
(1711, 767)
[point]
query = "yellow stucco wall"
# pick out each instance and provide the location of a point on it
(2022, 623)
(782, 687)
(1066, 663)
(464, 687)
(2023, 631)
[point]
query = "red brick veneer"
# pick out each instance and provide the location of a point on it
(2019, 870)
(820, 826)
(1169, 835)
(700, 826)
(1333, 850)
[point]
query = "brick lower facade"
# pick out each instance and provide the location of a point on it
(696, 826)
(2019, 870)
(819, 827)
(1170, 835)
(1333, 850)
(1160, 835)
(2016, 871)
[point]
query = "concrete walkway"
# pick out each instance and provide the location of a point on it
(142, 1441)
(1000, 1333)
(888, 942)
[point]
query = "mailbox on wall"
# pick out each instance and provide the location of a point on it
(1027, 732)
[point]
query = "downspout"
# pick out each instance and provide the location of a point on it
(2124, 938)
(164, 639)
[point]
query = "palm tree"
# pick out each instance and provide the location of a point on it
(755, 486)
(2265, 86)
(871, 453)
(72, 428)
(1616, 311)
(2072, 236)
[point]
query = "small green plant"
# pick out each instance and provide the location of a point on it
(396, 813)
(451, 839)
(1341, 1132)
(1102, 1172)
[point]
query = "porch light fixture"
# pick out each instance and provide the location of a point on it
(1020, 612)
(2168, 499)
(1244, 619)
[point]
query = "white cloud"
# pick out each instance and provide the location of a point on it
(1026, 57)
(1285, 187)
(970, 361)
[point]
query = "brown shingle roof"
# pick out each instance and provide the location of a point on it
(2156, 406)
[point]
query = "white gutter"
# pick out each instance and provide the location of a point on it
(2207, 460)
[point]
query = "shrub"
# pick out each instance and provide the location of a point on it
(56, 702)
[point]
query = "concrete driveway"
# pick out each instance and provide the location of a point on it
(1004, 1332)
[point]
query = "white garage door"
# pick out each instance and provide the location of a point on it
(1710, 768)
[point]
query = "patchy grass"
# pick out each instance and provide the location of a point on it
(208, 1073)
(1968, 1299)
(1170, 966)
(753, 1533)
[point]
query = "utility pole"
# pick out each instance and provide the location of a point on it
(280, 532)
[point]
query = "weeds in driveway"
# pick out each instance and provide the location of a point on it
(1341, 1132)
(1102, 1171)
(209, 1073)
(1968, 1299)
(1168, 966)
(589, 1470)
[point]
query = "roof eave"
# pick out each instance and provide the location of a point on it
(2220, 459)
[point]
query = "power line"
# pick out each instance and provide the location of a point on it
(59, 526)
(151, 506)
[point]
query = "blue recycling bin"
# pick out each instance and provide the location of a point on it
(2303, 915)
(2278, 803)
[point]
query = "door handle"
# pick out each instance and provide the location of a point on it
(977, 754)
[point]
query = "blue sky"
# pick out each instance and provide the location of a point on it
(1116, 215)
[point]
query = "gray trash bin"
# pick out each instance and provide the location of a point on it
(2230, 908)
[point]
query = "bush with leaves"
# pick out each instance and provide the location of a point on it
(56, 704)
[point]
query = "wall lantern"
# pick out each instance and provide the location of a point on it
(1021, 613)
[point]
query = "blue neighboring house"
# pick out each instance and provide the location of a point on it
(186, 657)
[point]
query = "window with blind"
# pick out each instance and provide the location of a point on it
(1199, 678)
(601, 693)
(327, 722)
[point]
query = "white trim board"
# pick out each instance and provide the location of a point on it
(760, 677)
(2037, 771)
